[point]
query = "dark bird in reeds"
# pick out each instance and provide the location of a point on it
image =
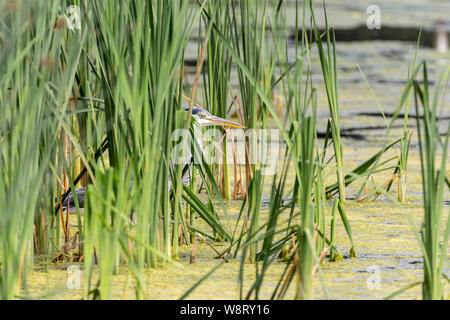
(202, 117)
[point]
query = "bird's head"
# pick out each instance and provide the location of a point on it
(204, 118)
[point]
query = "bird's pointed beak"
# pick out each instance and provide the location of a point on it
(213, 120)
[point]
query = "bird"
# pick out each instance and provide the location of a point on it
(202, 118)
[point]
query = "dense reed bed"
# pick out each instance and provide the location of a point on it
(92, 98)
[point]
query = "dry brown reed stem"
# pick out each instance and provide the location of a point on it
(236, 101)
(286, 282)
(293, 269)
(130, 247)
(197, 76)
(194, 250)
(35, 238)
(235, 187)
(211, 246)
(189, 99)
(247, 152)
(321, 257)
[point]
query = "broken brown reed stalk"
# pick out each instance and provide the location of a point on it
(321, 258)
